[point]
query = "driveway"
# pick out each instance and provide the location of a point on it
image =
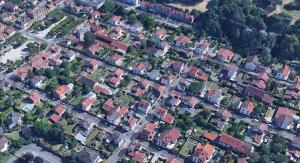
(36, 151)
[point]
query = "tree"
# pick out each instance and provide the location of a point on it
(41, 128)
(195, 87)
(89, 38)
(109, 6)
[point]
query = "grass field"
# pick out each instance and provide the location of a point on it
(188, 146)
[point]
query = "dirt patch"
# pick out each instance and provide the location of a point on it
(199, 6)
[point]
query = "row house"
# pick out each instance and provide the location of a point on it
(236, 144)
(168, 11)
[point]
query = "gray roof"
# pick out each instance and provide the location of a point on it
(87, 155)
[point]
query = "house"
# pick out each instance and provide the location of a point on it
(114, 80)
(155, 93)
(8, 6)
(263, 75)
(225, 55)
(116, 116)
(158, 35)
(54, 118)
(102, 89)
(283, 73)
(140, 88)
(257, 133)
(88, 81)
(140, 68)
(251, 63)
(131, 2)
(21, 72)
(163, 115)
(129, 124)
(296, 142)
(91, 66)
(5, 85)
(82, 131)
(167, 79)
(112, 44)
(247, 108)
(195, 73)
(137, 27)
(38, 81)
(138, 156)
(202, 48)
(91, 3)
(68, 56)
(173, 100)
(284, 118)
(236, 144)
(182, 85)
(177, 66)
(116, 60)
(87, 155)
(209, 136)
(229, 73)
(33, 97)
(142, 107)
(3, 144)
(168, 138)
(220, 119)
(62, 91)
(260, 94)
(149, 131)
(259, 83)
(189, 101)
(203, 153)
(108, 106)
(182, 41)
(159, 8)
(114, 20)
(88, 101)
(94, 48)
(214, 95)
(13, 119)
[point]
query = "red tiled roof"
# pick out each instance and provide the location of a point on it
(183, 39)
(209, 136)
(235, 143)
(169, 136)
(59, 109)
(108, 106)
(99, 89)
(249, 105)
(119, 72)
(204, 151)
(88, 101)
(137, 156)
(55, 118)
(60, 90)
(160, 32)
(286, 70)
(225, 53)
(34, 97)
(168, 118)
(150, 127)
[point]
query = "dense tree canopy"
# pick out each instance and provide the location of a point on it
(249, 30)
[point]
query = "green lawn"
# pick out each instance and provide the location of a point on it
(13, 135)
(188, 146)
(124, 99)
